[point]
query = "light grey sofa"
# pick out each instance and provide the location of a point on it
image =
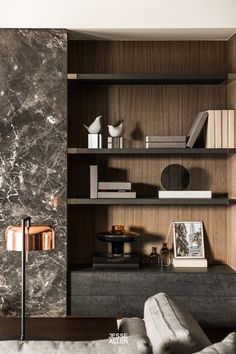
(166, 329)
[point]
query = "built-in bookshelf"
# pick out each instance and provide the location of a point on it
(156, 88)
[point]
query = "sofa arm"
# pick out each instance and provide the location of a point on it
(133, 326)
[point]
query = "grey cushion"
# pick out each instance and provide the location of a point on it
(133, 326)
(135, 345)
(171, 328)
(227, 346)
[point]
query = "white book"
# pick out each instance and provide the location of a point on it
(190, 263)
(163, 145)
(117, 195)
(185, 194)
(114, 185)
(224, 117)
(210, 135)
(165, 139)
(93, 181)
(231, 128)
(218, 129)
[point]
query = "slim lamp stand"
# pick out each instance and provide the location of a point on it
(24, 223)
(25, 238)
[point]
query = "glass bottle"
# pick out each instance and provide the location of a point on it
(154, 257)
(165, 255)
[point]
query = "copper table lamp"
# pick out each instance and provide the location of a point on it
(27, 238)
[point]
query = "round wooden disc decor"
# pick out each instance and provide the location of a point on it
(175, 178)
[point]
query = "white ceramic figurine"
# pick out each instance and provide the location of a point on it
(115, 131)
(95, 127)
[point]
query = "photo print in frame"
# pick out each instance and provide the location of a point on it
(188, 239)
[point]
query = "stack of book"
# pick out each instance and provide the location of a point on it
(220, 129)
(115, 143)
(109, 189)
(189, 262)
(155, 141)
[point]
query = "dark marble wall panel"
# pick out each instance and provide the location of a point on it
(33, 135)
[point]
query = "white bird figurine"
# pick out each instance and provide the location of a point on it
(115, 131)
(95, 127)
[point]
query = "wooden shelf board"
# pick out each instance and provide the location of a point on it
(149, 201)
(214, 268)
(150, 79)
(144, 151)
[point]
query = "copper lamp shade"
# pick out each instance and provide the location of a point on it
(37, 238)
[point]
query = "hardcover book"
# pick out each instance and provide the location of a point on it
(165, 139)
(224, 117)
(231, 128)
(117, 194)
(165, 145)
(196, 128)
(218, 129)
(93, 181)
(114, 185)
(210, 135)
(190, 263)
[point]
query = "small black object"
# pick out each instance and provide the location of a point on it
(175, 178)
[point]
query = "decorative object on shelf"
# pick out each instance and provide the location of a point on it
(116, 131)
(27, 238)
(115, 140)
(175, 177)
(117, 259)
(94, 138)
(95, 127)
(156, 141)
(164, 255)
(154, 257)
(188, 240)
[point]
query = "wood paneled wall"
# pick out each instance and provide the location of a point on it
(161, 109)
(186, 57)
(153, 223)
(146, 110)
(231, 168)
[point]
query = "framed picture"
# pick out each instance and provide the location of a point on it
(188, 239)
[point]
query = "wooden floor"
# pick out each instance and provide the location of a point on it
(68, 328)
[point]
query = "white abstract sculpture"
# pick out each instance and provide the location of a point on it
(95, 127)
(115, 131)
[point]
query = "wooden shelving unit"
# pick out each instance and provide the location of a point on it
(150, 201)
(148, 79)
(144, 151)
(156, 88)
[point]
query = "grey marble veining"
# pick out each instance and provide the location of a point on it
(33, 134)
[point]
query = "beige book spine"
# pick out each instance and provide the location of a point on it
(93, 181)
(231, 128)
(210, 136)
(218, 129)
(224, 128)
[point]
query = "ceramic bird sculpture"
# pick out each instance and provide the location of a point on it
(95, 127)
(116, 131)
